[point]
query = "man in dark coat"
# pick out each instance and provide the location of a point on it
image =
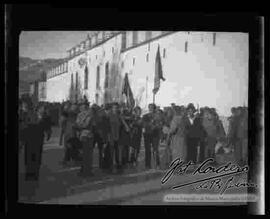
(106, 136)
(116, 149)
(98, 126)
(34, 125)
(152, 129)
(194, 133)
(136, 135)
(125, 135)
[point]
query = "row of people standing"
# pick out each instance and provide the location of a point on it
(115, 130)
(193, 135)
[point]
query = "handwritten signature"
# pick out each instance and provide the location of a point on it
(229, 169)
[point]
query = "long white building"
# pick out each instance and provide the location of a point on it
(205, 68)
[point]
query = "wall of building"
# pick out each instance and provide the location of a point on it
(42, 91)
(196, 69)
(57, 88)
(207, 74)
(97, 56)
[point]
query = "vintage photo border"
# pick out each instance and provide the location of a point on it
(51, 17)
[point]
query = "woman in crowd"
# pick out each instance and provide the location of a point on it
(177, 133)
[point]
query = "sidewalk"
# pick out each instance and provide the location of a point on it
(146, 189)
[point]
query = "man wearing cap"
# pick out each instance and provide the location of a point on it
(148, 128)
(97, 131)
(106, 136)
(84, 123)
(194, 133)
(115, 146)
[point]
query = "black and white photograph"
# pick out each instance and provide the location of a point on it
(135, 117)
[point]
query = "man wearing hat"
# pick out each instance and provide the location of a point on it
(149, 134)
(84, 123)
(194, 133)
(97, 131)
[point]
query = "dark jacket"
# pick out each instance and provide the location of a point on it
(148, 120)
(194, 130)
(115, 124)
(104, 127)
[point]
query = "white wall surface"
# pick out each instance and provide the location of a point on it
(210, 75)
(215, 76)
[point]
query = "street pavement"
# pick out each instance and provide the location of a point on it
(136, 186)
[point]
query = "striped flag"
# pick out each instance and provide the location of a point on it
(128, 92)
(158, 72)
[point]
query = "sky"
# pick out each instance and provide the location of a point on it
(48, 44)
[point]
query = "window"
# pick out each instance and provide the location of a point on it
(106, 85)
(72, 83)
(99, 36)
(112, 50)
(76, 85)
(122, 64)
(214, 39)
(96, 56)
(133, 61)
(148, 35)
(135, 37)
(147, 57)
(86, 78)
(89, 43)
(164, 53)
(186, 46)
(124, 40)
(164, 32)
(97, 99)
(98, 78)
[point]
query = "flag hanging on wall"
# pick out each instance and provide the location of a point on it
(158, 72)
(128, 92)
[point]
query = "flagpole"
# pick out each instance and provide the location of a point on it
(146, 93)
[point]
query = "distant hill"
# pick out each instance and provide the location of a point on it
(31, 69)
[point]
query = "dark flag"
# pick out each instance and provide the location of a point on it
(128, 92)
(158, 72)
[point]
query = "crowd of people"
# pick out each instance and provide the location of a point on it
(119, 131)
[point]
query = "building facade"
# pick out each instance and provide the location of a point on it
(206, 68)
